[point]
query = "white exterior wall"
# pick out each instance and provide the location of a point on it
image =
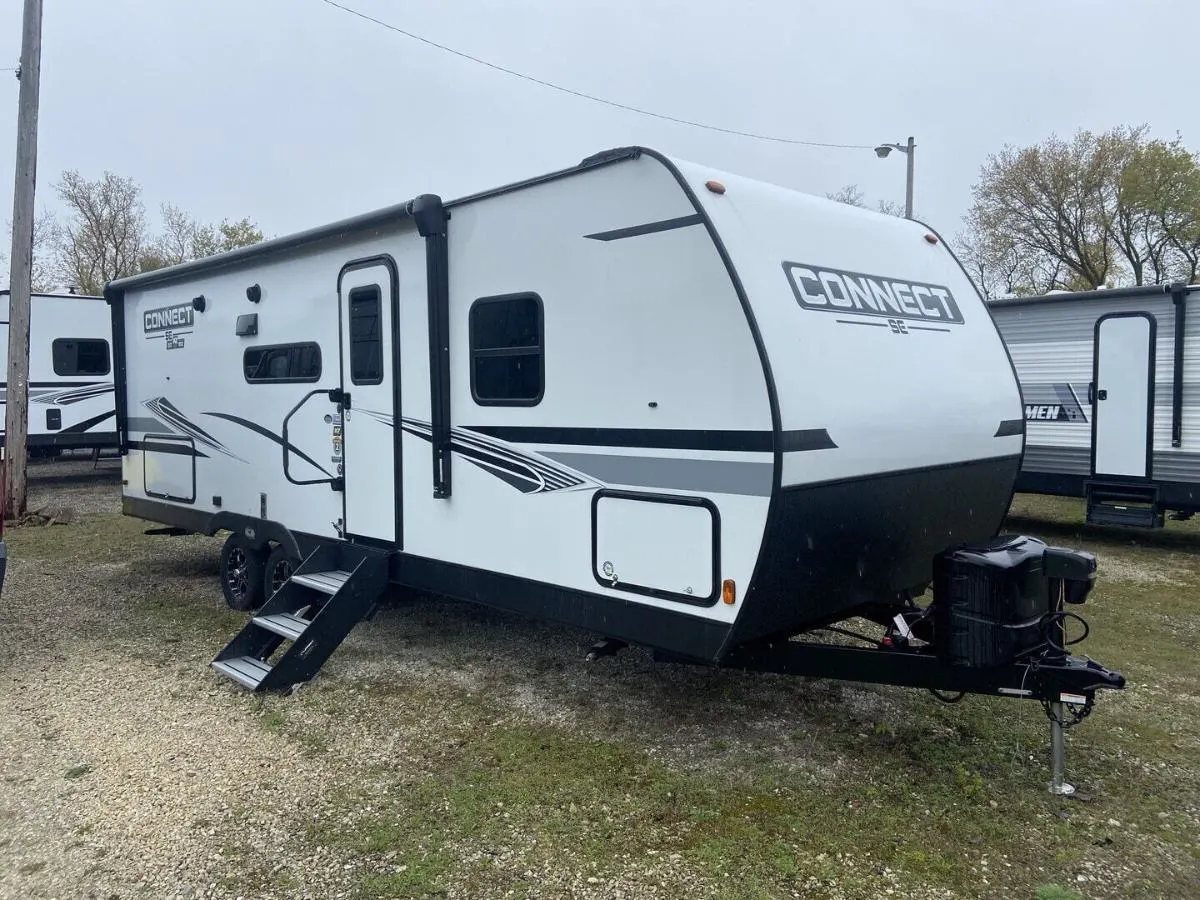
(630, 322)
(644, 333)
(890, 401)
(79, 399)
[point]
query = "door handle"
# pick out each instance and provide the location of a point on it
(1091, 392)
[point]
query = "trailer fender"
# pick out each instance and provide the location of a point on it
(257, 532)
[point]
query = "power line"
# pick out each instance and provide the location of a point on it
(585, 96)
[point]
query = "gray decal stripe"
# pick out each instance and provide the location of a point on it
(1009, 427)
(140, 423)
(649, 228)
(672, 473)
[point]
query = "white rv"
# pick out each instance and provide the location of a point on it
(70, 373)
(669, 405)
(1111, 388)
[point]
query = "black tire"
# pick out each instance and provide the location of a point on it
(242, 573)
(279, 567)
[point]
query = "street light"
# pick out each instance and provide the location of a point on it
(882, 151)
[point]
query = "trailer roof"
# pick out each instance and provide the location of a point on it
(1144, 290)
(4, 292)
(388, 215)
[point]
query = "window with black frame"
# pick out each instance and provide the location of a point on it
(366, 335)
(507, 350)
(281, 363)
(80, 356)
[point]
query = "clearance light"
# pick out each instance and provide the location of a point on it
(728, 592)
(715, 186)
(931, 238)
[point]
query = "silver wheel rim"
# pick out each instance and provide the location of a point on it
(235, 573)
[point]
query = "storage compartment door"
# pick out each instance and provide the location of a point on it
(1124, 392)
(660, 546)
(169, 467)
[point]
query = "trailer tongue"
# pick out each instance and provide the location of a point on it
(996, 625)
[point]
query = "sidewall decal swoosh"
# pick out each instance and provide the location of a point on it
(270, 435)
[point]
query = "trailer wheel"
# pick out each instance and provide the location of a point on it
(279, 568)
(242, 573)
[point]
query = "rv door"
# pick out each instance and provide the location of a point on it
(1123, 395)
(367, 291)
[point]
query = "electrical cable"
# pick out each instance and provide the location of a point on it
(591, 97)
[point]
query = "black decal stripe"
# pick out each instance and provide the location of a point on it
(270, 435)
(176, 449)
(1010, 427)
(648, 228)
(661, 438)
(79, 427)
(807, 439)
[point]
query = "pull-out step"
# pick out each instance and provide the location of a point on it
(330, 592)
(1123, 503)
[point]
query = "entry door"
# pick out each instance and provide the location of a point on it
(1123, 395)
(367, 299)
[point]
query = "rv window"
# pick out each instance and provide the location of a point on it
(507, 353)
(80, 356)
(366, 340)
(282, 362)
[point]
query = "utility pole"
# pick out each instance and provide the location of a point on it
(16, 419)
(908, 184)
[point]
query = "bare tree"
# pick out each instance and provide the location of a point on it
(849, 194)
(104, 233)
(852, 196)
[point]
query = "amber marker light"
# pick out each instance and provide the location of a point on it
(728, 592)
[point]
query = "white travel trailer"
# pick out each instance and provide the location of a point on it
(1111, 388)
(672, 406)
(70, 373)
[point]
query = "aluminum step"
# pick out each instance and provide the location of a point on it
(286, 625)
(1123, 503)
(325, 582)
(245, 670)
(1132, 516)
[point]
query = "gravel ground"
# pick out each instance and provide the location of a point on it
(128, 769)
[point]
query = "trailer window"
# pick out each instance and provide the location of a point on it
(507, 352)
(366, 338)
(282, 363)
(80, 356)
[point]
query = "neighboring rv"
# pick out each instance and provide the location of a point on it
(1111, 387)
(71, 402)
(672, 406)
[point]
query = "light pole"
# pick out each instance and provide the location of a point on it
(882, 151)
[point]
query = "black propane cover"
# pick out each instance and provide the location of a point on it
(989, 601)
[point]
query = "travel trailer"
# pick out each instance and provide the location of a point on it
(1111, 389)
(70, 373)
(672, 406)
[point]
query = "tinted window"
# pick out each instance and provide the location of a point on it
(366, 338)
(80, 356)
(283, 362)
(507, 359)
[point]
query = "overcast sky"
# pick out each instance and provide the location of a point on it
(295, 113)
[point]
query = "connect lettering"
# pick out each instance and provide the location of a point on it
(168, 317)
(836, 290)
